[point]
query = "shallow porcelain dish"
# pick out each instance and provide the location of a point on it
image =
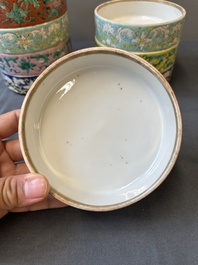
(103, 126)
(139, 25)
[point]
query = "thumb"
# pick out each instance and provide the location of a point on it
(22, 190)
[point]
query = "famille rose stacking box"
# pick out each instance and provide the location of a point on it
(33, 34)
(151, 29)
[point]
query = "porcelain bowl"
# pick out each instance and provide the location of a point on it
(103, 126)
(139, 26)
(16, 13)
(163, 61)
(34, 38)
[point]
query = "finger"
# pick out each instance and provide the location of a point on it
(13, 149)
(9, 123)
(48, 203)
(7, 169)
(3, 213)
(21, 169)
(22, 190)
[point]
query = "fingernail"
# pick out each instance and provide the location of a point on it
(35, 187)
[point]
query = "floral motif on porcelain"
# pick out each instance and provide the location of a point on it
(33, 63)
(18, 84)
(162, 61)
(138, 38)
(22, 13)
(35, 38)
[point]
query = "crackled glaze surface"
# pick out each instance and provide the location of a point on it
(141, 34)
(22, 13)
(35, 38)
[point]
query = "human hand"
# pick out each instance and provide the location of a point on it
(20, 190)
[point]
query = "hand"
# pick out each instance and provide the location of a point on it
(20, 190)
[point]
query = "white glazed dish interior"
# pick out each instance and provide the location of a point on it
(140, 12)
(109, 137)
